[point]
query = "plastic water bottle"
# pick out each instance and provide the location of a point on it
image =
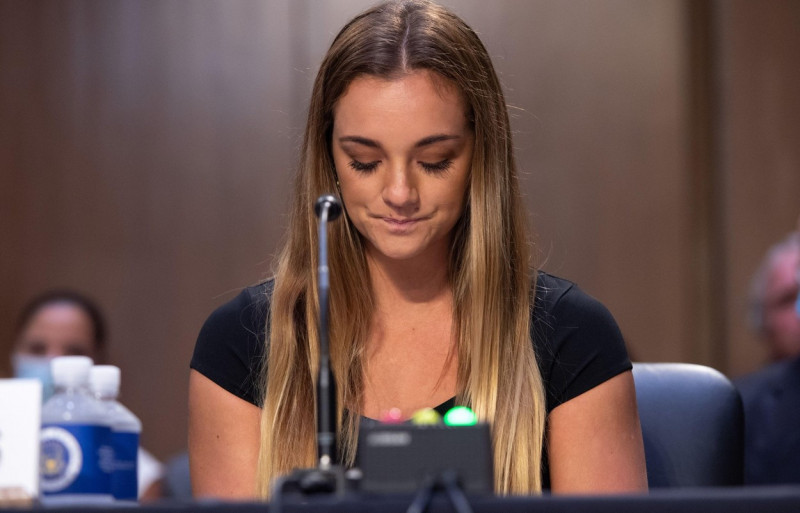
(76, 456)
(125, 431)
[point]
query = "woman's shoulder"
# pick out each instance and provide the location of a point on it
(246, 311)
(230, 346)
(558, 301)
(577, 341)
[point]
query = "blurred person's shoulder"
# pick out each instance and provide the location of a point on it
(769, 380)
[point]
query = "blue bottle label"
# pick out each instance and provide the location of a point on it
(75, 459)
(124, 482)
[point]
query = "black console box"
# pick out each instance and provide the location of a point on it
(399, 458)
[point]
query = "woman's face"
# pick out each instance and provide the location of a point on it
(58, 329)
(402, 150)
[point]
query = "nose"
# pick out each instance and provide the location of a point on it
(400, 190)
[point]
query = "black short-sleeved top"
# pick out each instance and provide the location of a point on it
(576, 340)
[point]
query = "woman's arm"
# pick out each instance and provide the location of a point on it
(595, 441)
(224, 438)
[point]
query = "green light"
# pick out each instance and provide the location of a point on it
(460, 416)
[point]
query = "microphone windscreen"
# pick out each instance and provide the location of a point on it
(334, 206)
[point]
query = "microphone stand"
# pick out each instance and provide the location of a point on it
(328, 477)
(327, 209)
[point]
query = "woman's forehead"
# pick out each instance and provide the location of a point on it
(421, 98)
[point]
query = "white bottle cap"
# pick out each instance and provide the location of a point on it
(70, 370)
(104, 380)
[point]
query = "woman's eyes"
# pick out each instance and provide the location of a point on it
(430, 167)
(364, 167)
(437, 167)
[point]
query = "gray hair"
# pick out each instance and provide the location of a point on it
(758, 284)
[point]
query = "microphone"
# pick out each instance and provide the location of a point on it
(331, 203)
(327, 477)
(327, 208)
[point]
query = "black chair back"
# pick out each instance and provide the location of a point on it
(692, 423)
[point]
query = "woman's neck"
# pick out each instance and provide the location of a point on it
(409, 361)
(417, 281)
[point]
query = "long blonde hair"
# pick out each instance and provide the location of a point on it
(489, 264)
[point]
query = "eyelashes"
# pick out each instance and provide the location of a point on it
(429, 167)
(364, 167)
(437, 167)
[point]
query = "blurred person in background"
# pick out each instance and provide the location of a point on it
(771, 396)
(773, 299)
(67, 323)
(57, 323)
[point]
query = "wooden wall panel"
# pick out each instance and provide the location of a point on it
(759, 46)
(148, 149)
(601, 152)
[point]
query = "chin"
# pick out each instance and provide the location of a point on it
(397, 250)
(398, 254)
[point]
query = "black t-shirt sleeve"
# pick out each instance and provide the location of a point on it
(230, 347)
(578, 343)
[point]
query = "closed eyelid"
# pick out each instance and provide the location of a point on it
(433, 154)
(437, 154)
(361, 152)
(437, 167)
(365, 167)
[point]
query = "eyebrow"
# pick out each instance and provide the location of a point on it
(422, 142)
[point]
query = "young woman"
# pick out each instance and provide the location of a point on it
(67, 323)
(56, 323)
(433, 301)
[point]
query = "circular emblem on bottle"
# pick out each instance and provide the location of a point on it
(61, 459)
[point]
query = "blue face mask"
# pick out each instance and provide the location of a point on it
(34, 367)
(797, 305)
(797, 300)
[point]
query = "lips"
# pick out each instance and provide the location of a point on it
(401, 225)
(400, 222)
